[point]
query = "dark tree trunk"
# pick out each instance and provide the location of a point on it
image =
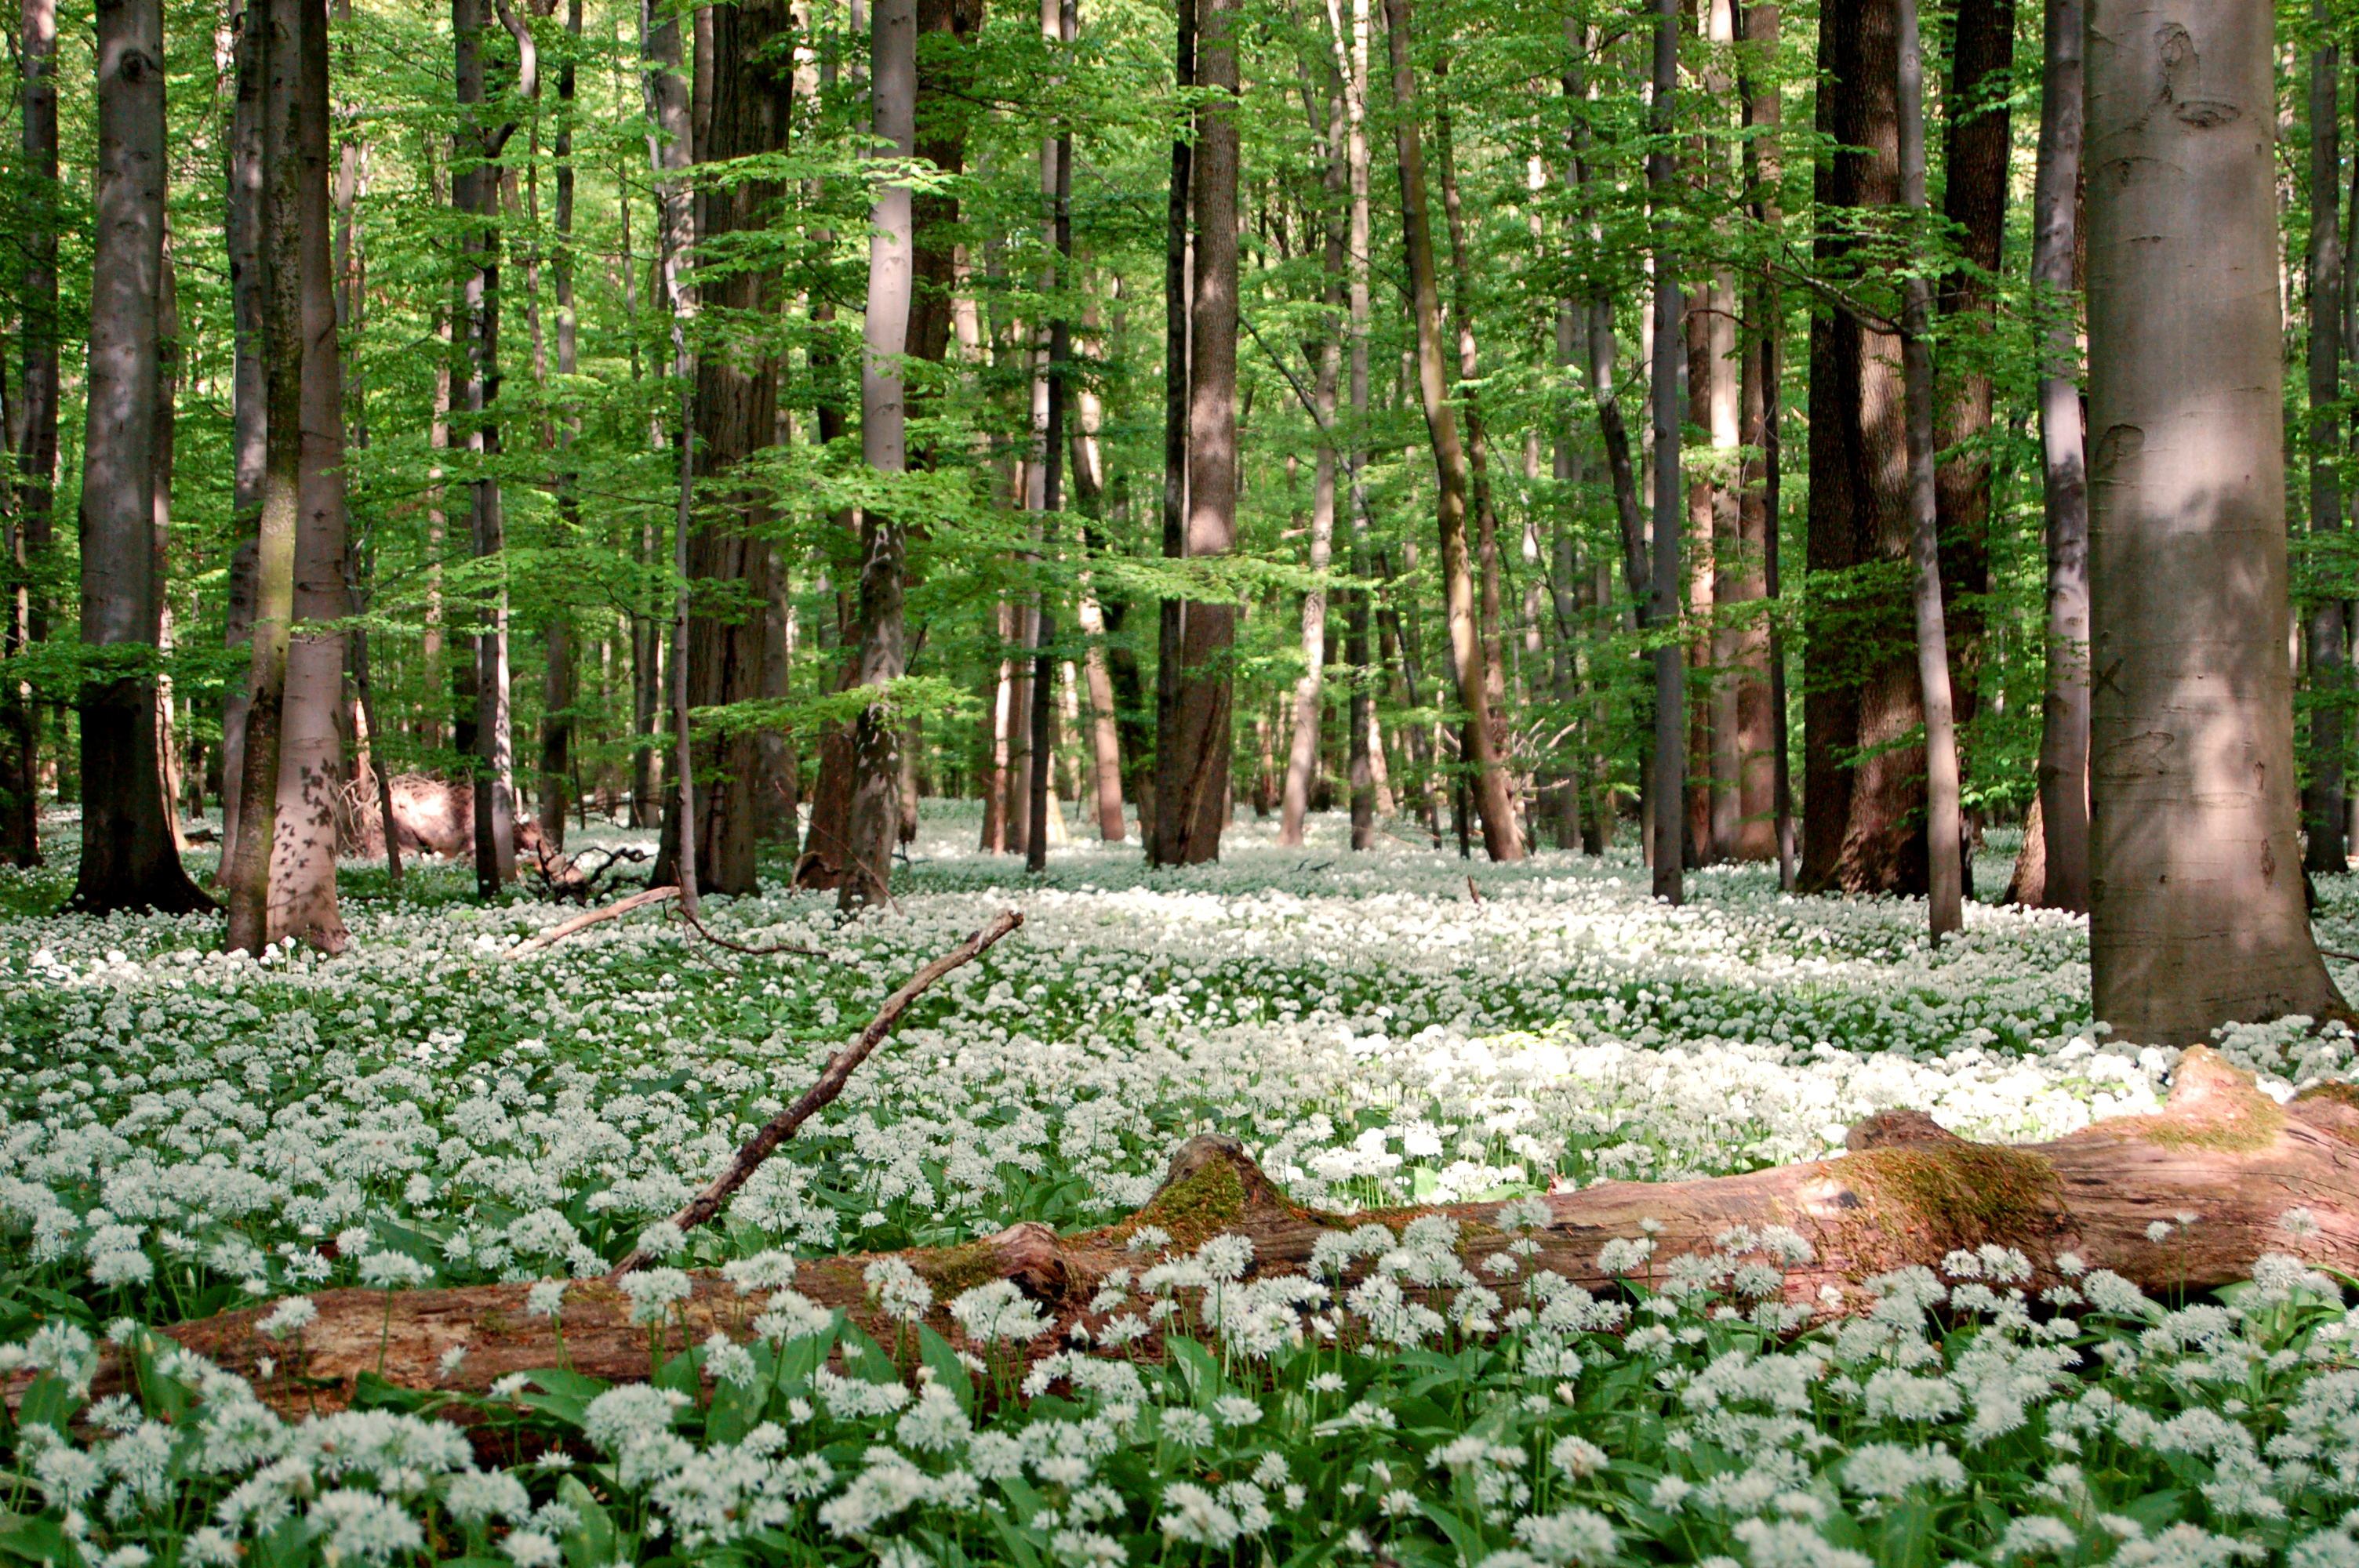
(1765, 816)
(30, 526)
(558, 686)
(1191, 754)
(475, 190)
(1863, 784)
(1974, 199)
(128, 860)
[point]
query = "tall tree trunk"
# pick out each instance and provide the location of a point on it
(1670, 691)
(1191, 775)
(311, 763)
(559, 682)
(1502, 836)
(1864, 779)
(2064, 488)
(1943, 841)
(2198, 916)
(671, 139)
(1975, 167)
(1364, 756)
(475, 190)
(30, 520)
(892, 96)
(748, 105)
(1765, 827)
(169, 360)
(1059, 21)
(127, 856)
(1309, 706)
(2322, 797)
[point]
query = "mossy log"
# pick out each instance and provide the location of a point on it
(2220, 1164)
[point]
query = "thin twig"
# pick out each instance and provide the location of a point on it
(719, 941)
(840, 1068)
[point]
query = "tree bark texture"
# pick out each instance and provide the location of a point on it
(747, 109)
(1864, 783)
(1904, 1193)
(874, 817)
(1974, 198)
(1944, 844)
(1765, 823)
(129, 858)
(31, 526)
(2064, 488)
(1191, 774)
(1495, 798)
(2197, 914)
(310, 757)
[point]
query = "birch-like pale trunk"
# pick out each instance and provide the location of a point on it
(885, 332)
(2197, 915)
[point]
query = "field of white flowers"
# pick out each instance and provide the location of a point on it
(183, 1132)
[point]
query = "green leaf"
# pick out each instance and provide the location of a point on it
(948, 1370)
(591, 1544)
(35, 1538)
(1195, 1364)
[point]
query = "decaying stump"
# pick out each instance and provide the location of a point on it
(2222, 1155)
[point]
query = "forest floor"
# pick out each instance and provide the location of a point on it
(181, 1132)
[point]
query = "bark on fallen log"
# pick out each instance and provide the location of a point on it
(1906, 1192)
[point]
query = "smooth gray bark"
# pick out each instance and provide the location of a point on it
(2197, 915)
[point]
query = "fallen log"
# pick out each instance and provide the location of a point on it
(2216, 1171)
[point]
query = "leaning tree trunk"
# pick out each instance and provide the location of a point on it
(2198, 916)
(2064, 720)
(310, 760)
(129, 856)
(1906, 1193)
(1502, 838)
(884, 446)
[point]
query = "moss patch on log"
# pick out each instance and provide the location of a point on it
(955, 1271)
(1954, 1195)
(1196, 1207)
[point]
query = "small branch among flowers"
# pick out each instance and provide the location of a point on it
(840, 1068)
